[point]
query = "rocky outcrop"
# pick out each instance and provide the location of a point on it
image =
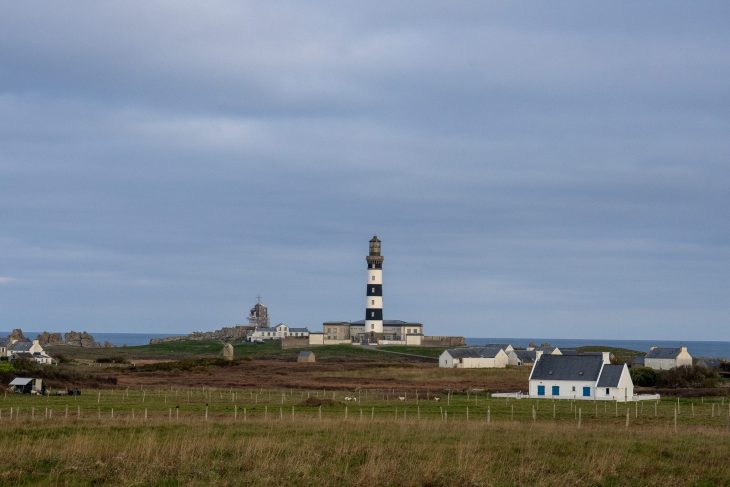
(80, 339)
(48, 338)
(17, 335)
(227, 333)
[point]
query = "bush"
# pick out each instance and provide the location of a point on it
(112, 360)
(687, 376)
(643, 376)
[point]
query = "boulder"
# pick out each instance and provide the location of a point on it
(228, 351)
(80, 339)
(17, 335)
(47, 338)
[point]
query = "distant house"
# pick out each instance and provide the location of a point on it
(504, 346)
(306, 357)
(28, 350)
(473, 358)
(667, 358)
(522, 357)
(584, 376)
(276, 333)
(25, 385)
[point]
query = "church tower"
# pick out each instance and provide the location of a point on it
(374, 303)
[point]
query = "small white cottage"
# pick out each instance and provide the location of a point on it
(581, 376)
(473, 358)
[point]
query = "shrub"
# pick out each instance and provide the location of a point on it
(687, 376)
(112, 360)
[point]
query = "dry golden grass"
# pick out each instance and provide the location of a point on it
(336, 452)
(267, 446)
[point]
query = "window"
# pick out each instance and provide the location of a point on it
(372, 289)
(372, 301)
(586, 392)
(372, 314)
(540, 390)
(573, 390)
(372, 278)
(556, 390)
(372, 326)
(607, 393)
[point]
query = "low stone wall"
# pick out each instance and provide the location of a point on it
(442, 341)
(295, 342)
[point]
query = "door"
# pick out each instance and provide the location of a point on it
(556, 390)
(586, 392)
(540, 390)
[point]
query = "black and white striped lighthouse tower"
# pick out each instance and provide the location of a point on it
(374, 303)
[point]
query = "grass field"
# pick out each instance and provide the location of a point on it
(192, 349)
(291, 437)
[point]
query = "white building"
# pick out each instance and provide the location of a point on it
(522, 357)
(276, 333)
(667, 358)
(473, 358)
(395, 332)
(583, 376)
(29, 350)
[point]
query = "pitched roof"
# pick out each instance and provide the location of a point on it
(525, 355)
(474, 352)
(610, 375)
(298, 329)
(20, 381)
(21, 346)
(500, 345)
(567, 367)
(663, 352)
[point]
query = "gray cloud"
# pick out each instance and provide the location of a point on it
(533, 169)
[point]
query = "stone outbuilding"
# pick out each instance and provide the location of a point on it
(306, 357)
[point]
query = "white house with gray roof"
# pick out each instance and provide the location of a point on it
(474, 358)
(660, 358)
(28, 350)
(260, 334)
(582, 376)
(522, 357)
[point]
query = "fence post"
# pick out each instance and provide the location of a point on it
(580, 416)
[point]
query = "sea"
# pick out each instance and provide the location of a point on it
(695, 348)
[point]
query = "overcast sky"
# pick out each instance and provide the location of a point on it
(534, 169)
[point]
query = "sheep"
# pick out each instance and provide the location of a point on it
(401, 398)
(436, 398)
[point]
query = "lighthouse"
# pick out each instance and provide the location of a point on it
(374, 303)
